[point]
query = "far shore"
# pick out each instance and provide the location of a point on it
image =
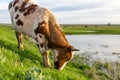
(72, 29)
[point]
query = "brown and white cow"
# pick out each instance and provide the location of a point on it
(40, 24)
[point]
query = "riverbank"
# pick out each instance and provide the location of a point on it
(27, 64)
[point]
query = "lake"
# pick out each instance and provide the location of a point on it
(100, 47)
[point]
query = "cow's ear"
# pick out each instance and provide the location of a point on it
(75, 49)
(70, 48)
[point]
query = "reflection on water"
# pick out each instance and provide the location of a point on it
(104, 47)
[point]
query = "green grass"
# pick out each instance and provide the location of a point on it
(22, 65)
(91, 29)
(28, 65)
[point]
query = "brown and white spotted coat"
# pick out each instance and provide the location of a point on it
(40, 24)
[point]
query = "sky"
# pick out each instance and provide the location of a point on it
(75, 11)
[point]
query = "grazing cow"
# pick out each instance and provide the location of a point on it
(40, 24)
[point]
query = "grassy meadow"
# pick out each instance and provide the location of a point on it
(91, 29)
(27, 64)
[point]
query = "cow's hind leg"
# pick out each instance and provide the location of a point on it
(19, 39)
(42, 45)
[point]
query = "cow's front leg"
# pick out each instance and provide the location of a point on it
(19, 39)
(45, 56)
(42, 45)
(46, 61)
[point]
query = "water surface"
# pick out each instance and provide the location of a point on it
(104, 47)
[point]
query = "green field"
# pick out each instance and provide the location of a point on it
(91, 29)
(27, 64)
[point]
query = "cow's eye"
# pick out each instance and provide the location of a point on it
(66, 59)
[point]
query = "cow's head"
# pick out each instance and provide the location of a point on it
(62, 56)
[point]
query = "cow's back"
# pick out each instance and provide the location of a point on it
(31, 19)
(25, 16)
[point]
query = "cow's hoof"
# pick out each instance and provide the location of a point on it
(21, 49)
(48, 65)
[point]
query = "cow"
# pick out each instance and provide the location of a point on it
(39, 23)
